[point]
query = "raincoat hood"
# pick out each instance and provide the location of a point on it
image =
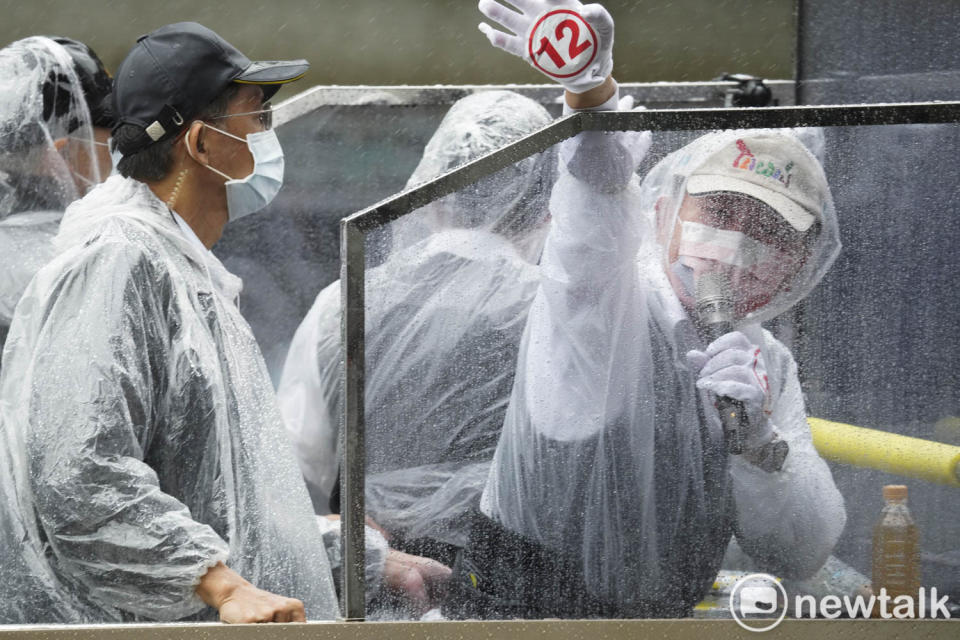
(512, 202)
(41, 100)
(735, 166)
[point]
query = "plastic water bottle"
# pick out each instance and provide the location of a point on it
(896, 546)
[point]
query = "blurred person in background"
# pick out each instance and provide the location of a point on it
(144, 471)
(55, 120)
(613, 492)
(455, 287)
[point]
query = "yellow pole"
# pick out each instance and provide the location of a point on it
(902, 455)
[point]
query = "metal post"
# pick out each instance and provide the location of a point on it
(799, 72)
(352, 510)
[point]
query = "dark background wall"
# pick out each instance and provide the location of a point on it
(884, 327)
(880, 51)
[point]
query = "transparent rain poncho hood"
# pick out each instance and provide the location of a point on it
(141, 439)
(610, 457)
(41, 101)
(509, 203)
(444, 315)
(662, 194)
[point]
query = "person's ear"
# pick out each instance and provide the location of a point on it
(193, 142)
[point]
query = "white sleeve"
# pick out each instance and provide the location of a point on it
(788, 520)
(605, 160)
(308, 393)
(588, 284)
(578, 423)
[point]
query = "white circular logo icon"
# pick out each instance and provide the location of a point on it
(562, 44)
(758, 596)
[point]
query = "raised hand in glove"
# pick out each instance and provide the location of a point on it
(569, 42)
(733, 367)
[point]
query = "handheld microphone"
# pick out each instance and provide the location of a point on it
(715, 318)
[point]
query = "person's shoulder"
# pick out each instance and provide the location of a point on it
(323, 316)
(327, 302)
(119, 240)
(474, 245)
(120, 255)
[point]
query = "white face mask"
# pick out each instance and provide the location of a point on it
(757, 270)
(258, 189)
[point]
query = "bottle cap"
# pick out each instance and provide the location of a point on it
(895, 492)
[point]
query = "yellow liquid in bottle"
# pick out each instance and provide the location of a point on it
(896, 551)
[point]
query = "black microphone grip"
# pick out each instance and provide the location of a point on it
(734, 419)
(733, 416)
(714, 319)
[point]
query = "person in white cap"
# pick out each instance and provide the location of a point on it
(615, 489)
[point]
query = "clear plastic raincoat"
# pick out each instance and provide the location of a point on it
(41, 100)
(444, 315)
(609, 455)
(140, 438)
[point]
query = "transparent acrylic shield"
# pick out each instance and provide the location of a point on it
(874, 345)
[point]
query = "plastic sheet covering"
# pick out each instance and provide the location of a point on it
(41, 101)
(444, 314)
(880, 346)
(141, 440)
(610, 457)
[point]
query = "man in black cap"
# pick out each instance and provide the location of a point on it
(147, 475)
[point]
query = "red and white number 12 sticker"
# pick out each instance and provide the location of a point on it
(562, 44)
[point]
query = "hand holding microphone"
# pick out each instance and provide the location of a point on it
(731, 367)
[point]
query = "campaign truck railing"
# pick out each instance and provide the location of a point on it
(651, 94)
(355, 228)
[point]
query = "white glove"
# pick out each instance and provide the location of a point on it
(570, 42)
(733, 367)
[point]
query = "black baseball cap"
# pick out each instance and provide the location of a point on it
(172, 73)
